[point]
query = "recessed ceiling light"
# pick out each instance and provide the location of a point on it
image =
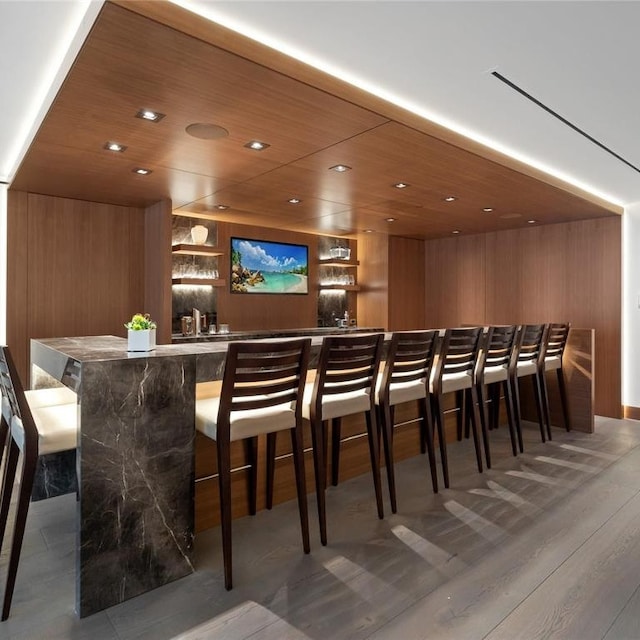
(152, 116)
(487, 209)
(400, 185)
(222, 207)
(340, 168)
(256, 145)
(114, 146)
(294, 201)
(390, 219)
(531, 221)
(450, 198)
(455, 232)
(142, 171)
(368, 230)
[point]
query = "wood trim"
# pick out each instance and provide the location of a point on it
(631, 413)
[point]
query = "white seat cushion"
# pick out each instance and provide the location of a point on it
(526, 369)
(495, 374)
(338, 404)
(552, 362)
(57, 428)
(244, 424)
(400, 392)
(49, 397)
(453, 382)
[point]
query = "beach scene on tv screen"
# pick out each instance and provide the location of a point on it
(258, 266)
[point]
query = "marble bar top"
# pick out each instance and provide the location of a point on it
(55, 355)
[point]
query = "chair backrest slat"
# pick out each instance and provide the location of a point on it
(347, 364)
(531, 343)
(500, 346)
(459, 352)
(410, 357)
(258, 375)
(557, 335)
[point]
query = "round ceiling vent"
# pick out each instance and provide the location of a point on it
(206, 131)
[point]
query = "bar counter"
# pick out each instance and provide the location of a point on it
(135, 458)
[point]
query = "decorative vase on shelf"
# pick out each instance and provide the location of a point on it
(199, 234)
(141, 340)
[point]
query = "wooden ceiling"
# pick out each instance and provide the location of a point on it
(140, 55)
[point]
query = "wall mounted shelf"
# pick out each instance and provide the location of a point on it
(196, 250)
(334, 262)
(209, 282)
(337, 287)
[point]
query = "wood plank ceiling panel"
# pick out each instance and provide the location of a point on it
(130, 62)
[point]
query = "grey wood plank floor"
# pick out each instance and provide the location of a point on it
(545, 545)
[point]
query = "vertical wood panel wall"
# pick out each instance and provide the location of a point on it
(554, 273)
(75, 268)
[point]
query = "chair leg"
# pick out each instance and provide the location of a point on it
(539, 397)
(271, 467)
(224, 482)
(251, 457)
(473, 401)
(544, 395)
(26, 486)
(510, 417)
(460, 414)
(320, 472)
(494, 421)
(386, 424)
(297, 448)
(515, 395)
(336, 434)
(564, 400)
(424, 435)
(483, 419)
(426, 425)
(439, 418)
(374, 454)
(8, 479)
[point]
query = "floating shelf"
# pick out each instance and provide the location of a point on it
(196, 250)
(335, 262)
(209, 282)
(344, 287)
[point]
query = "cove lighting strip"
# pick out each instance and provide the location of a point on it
(3, 263)
(213, 14)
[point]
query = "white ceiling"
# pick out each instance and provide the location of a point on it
(579, 58)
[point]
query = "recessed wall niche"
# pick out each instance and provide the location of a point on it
(187, 297)
(332, 303)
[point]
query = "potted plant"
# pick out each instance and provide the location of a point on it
(141, 334)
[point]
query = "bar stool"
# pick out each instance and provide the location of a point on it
(344, 385)
(405, 376)
(529, 363)
(496, 368)
(261, 393)
(556, 342)
(34, 431)
(455, 370)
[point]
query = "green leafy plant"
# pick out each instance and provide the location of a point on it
(140, 322)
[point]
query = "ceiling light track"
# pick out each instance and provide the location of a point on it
(537, 102)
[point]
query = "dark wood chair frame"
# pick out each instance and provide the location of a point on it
(500, 349)
(346, 364)
(458, 354)
(410, 357)
(258, 375)
(531, 349)
(555, 344)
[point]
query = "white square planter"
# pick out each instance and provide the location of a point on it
(144, 340)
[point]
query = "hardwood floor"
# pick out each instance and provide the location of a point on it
(546, 545)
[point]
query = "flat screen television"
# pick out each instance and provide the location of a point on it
(260, 266)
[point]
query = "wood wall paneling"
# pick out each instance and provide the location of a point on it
(406, 284)
(157, 268)
(569, 272)
(83, 270)
(373, 276)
